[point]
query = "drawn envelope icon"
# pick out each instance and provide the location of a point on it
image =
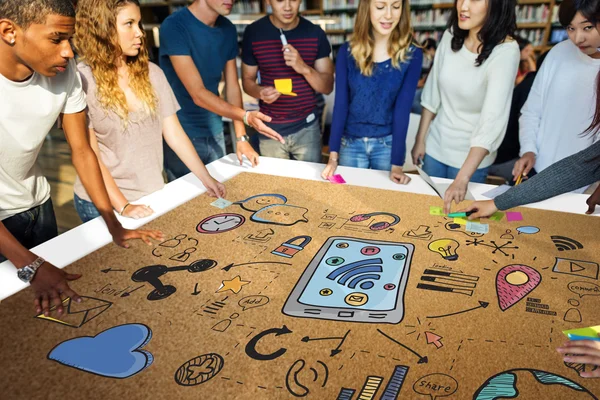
(77, 314)
(356, 298)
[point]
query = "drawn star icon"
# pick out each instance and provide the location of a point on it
(235, 285)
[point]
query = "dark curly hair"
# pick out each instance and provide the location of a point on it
(27, 12)
(500, 22)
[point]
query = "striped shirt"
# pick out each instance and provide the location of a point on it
(262, 47)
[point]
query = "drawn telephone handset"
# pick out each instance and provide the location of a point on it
(152, 273)
(379, 225)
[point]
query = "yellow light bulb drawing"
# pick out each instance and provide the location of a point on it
(446, 248)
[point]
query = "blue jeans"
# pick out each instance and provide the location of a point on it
(33, 227)
(373, 153)
(85, 209)
(304, 145)
(433, 167)
(208, 148)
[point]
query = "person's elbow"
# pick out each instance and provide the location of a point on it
(328, 86)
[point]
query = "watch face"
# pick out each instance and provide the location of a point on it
(25, 274)
(220, 223)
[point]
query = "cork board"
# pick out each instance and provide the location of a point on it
(308, 289)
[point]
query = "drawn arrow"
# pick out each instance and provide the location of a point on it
(432, 338)
(227, 268)
(335, 351)
(482, 304)
(107, 270)
(129, 293)
(422, 360)
(251, 346)
(196, 292)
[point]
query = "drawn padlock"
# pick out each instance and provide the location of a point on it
(289, 249)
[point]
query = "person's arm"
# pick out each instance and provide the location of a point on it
(86, 163)
(233, 94)
(181, 144)
(320, 78)
(401, 116)
(564, 176)
(491, 127)
(117, 199)
(190, 77)
(529, 125)
(340, 110)
(431, 100)
(50, 284)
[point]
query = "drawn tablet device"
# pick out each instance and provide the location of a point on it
(350, 279)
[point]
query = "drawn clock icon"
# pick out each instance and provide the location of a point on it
(220, 223)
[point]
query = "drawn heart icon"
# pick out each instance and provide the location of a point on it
(114, 353)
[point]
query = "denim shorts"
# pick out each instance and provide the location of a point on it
(368, 152)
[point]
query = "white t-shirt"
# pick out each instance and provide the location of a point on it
(560, 106)
(28, 110)
(471, 103)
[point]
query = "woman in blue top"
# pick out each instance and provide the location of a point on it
(376, 78)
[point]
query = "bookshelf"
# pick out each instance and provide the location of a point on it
(537, 19)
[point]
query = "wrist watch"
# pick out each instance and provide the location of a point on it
(27, 273)
(244, 138)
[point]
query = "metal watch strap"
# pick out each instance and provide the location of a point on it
(244, 138)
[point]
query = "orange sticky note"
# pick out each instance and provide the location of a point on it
(285, 87)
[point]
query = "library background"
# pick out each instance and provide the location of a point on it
(537, 22)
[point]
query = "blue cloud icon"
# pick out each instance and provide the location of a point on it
(114, 353)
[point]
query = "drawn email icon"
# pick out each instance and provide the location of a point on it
(77, 314)
(356, 298)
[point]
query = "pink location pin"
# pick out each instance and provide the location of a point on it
(514, 282)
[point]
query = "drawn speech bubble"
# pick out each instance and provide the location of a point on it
(584, 288)
(253, 302)
(436, 385)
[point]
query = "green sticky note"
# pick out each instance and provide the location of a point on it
(436, 211)
(497, 216)
(592, 331)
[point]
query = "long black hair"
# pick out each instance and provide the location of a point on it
(590, 9)
(500, 22)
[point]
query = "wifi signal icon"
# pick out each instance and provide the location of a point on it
(358, 273)
(565, 244)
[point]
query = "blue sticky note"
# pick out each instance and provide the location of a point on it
(221, 203)
(477, 228)
(577, 337)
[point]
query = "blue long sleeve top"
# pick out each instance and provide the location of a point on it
(376, 105)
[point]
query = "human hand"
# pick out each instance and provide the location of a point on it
(293, 59)
(121, 236)
(481, 209)
(137, 211)
(50, 286)
(456, 192)
(593, 201)
(418, 152)
(245, 149)
(582, 352)
(397, 175)
(214, 188)
(523, 165)
(269, 94)
(331, 166)
(257, 120)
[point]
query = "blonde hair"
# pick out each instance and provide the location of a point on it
(98, 46)
(363, 41)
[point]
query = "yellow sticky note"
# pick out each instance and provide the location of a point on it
(461, 221)
(284, 86)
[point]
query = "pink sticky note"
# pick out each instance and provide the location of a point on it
(514, 216)
(336, 179)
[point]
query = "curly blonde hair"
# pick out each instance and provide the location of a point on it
(97, 44)
(363, 42)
